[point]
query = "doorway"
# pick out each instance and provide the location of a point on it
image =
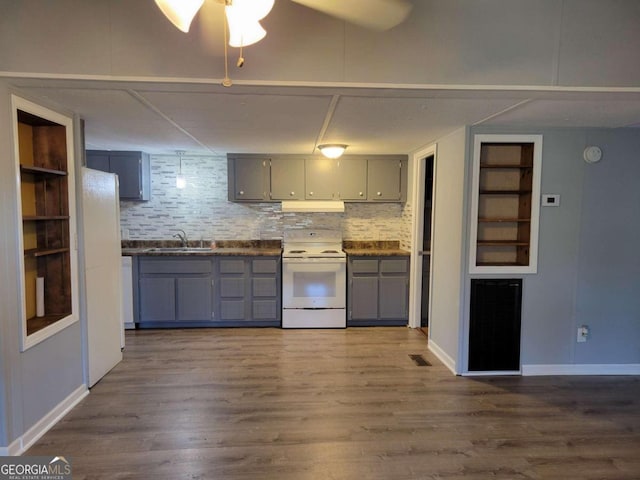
(425, 252)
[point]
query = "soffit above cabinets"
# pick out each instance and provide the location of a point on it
(161, 118)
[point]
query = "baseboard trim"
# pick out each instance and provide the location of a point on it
(22, 444)
(582, 369)
(442, 356)
(13, 449)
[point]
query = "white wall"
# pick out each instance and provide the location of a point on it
(448, 245)
(588, 266)
(608, 288)
(493, 42)
(38, 380)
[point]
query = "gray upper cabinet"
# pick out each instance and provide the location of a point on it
(351, 178)
(320, 178)
(386, 179)
(248, 178)
(287, 178)
(133, 170)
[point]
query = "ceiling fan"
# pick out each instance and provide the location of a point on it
(243, 16)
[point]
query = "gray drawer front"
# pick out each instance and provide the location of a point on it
(264, 287)
(174, 266)
(395, 265)
(232, 265)
(232, 310)
(364, 266)
(232, 287)
(265, 310)
(264, 265)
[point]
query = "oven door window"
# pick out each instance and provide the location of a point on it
(314, 285)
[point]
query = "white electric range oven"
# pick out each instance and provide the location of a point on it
(314, 279)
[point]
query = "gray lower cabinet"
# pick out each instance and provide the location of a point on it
(217, 291)
(133, 170)
(378, 291)
(175, 291)
(249, 291)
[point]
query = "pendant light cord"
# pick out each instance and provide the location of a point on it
(226, 82)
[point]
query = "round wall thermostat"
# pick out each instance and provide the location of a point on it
(592, 154)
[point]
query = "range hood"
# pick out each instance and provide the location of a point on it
(312, 206)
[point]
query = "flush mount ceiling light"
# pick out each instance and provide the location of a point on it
(332, 150)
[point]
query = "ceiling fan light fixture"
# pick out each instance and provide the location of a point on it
(332, 150)
(180, 12)
(243, 18)
(242, 31)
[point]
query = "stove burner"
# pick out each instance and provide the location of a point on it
(297, 251)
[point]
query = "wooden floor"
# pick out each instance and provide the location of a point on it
(338, 404)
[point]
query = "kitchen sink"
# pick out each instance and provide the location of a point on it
(178, 249)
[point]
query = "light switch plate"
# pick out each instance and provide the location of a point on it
(551, 200)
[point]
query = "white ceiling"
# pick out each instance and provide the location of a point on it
(136, 91)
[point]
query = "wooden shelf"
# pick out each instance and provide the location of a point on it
(41, 171)
(37, 252)
(500, 264)
(504, 220)
(506, 166)
(38, 323)
(39, 218)
(502, 243)
(504, 192)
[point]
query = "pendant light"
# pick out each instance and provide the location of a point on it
(181, 181)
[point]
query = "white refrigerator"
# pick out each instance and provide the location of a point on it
(102, 271)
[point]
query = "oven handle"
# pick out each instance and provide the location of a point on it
(314, 260)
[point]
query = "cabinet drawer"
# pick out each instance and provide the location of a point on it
(232, 265)
(232, 287)
(364, 266)
(174, 266)
(264, 287)
(395, 265)
(264, 265)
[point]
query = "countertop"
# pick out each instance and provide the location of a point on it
(264, 248)
(384, 248)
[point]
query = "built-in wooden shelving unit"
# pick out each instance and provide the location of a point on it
(44, 161)
(505, 203)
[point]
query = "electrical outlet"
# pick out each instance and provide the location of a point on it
(583, 333)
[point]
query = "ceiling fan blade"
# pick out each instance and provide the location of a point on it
(374, 14)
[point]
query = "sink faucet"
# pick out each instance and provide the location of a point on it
(183, 238)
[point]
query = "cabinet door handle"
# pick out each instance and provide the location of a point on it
(379, 194)
(241, 192)
(292, 194)
(311, 194)
(361, 194)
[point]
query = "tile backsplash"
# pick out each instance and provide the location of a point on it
(203, 211)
